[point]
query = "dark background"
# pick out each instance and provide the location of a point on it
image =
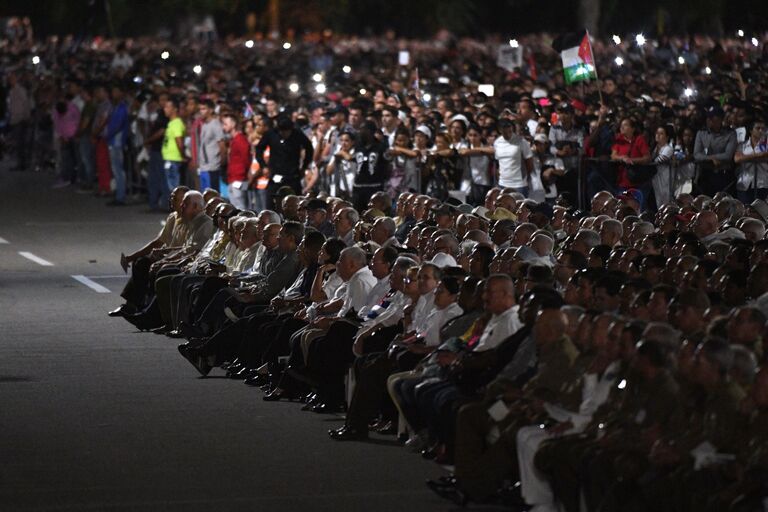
(410, 18)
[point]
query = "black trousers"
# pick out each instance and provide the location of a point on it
(137, 288)
(329, 358)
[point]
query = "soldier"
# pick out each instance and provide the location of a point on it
(482, 466)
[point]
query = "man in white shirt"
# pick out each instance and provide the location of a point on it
(330, 356)
(515, 158)
(499, 300)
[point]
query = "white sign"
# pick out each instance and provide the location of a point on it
(509, 57)
(404, 57)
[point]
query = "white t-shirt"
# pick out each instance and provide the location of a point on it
(499, 328)
(510, 155)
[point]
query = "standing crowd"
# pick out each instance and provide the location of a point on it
(559, 291)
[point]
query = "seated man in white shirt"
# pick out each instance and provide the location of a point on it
(330, 356)
(373, 370)
(423, 404)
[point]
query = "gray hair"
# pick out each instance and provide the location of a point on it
(272, 217)
(195, 197)
(590, 237)
(356, 255)
(353, 217)
(644, 228)
(388, 224)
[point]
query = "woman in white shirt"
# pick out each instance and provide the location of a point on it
(662, 156)
(752, 159)
(480, 156)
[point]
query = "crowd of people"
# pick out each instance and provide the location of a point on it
(558, 291)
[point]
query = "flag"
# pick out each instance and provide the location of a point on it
(576, 54)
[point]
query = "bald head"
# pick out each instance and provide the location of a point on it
(192, 204)
(550, 326)
(705, 224)
(499, 294)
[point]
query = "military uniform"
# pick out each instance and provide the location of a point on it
(485, 447)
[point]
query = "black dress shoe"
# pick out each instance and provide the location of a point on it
(189, 330)
(163, 329)
(278, 394)
(123, 310)
(346, 433)
(429, 453)
(196, 359)
(175, 334)
(448, 491)
(323, 408)
(257, 380)
(234, 370)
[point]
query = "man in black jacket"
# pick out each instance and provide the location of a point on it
(286, 164)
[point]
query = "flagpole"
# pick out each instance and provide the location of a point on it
(594, 63)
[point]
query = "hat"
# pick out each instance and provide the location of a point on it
(283, 191)
(502, 214)
(462, 119)
(424, 129)
(761, 207)
(316, 204)
(482, 212)
(564, 107)
(540, 137)
(715, 111)
(457, 204)
(504, 122)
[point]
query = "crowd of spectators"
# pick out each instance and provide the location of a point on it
(558, 291)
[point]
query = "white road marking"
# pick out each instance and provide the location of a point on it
(4, 241)
(118, 276)
(36, 259)
(93, 285)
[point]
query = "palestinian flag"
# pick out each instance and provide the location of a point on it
(576, 53)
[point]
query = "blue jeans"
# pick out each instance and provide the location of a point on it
(157, 185)
(257, 199)
(209, 179)
(172, 174)
(87, 159)
(117, 161)
(521, 190)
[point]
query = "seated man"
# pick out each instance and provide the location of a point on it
(170, 238)
(199, 230)
(373, 370)
(228, 303)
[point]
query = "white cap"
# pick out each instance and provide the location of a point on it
(462, 118)
(425, 130)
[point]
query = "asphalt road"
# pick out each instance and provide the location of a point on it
(97, 416)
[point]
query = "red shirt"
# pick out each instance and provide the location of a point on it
(239, 160)
(635, 149)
